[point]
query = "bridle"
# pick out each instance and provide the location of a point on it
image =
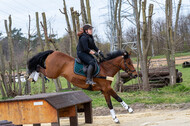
(127, 70)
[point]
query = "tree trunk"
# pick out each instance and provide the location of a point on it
(88, 11)
(19, 81)
(27, 84)
(77, 20)
(137, 11)
(2, 70)
(146, 39)
(3, 74)
(74, 26)
(117, 84)
(68, 26)
(38, 32)
(41, 45)
(10, 80)
(70, 33)
(83, 12)
(45, 31)
(11, 53)
(44, 25)
(146, 42)
(57, 86)
(171, 40)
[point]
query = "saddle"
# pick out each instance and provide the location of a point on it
(80, 68)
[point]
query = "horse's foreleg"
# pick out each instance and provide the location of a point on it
(35, 74)
(109, 103)
(41, 70)
(114, 95)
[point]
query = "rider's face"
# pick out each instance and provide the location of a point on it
(89, 31)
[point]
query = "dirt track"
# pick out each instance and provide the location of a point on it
(174, 117)
(147, 118)
(163, 61)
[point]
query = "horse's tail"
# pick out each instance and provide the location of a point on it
(38, 59)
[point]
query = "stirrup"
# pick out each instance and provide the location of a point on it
(90, 82)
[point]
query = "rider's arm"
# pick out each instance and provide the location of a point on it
(84, 42)
(95, 47)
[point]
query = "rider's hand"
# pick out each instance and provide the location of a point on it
(101, 54)
(92, 52)
(96, 54)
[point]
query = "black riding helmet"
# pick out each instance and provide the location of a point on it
(87, 26)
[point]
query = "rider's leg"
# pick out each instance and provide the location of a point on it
(90, 72)
(89, 60)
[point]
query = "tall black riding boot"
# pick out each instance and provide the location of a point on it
(89, 75)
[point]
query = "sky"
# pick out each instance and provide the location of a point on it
(20, 9)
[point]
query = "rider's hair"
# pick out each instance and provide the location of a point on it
(80, 32)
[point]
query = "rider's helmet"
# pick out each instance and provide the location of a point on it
(87, 26)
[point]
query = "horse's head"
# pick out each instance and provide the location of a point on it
(127, 65)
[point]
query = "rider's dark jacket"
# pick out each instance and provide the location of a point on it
(86, 43)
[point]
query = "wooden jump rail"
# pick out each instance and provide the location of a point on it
(46, 108)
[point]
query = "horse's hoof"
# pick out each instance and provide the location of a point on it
(30, 79)
(116, 120)
(130, 110)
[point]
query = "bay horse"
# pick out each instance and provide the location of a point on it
(54, 64)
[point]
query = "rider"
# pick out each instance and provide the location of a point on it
(85, 49)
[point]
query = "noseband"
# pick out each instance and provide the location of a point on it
(127, 68)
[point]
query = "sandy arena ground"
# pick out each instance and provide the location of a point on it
(146, 118)
(163, 61)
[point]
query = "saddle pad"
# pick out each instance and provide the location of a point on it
(78, 69)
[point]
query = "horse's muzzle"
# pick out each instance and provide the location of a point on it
(134, 74)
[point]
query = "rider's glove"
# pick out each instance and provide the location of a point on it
(101, 54)
(96, 54)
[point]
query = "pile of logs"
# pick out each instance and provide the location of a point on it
(186, 64)
(158, 78)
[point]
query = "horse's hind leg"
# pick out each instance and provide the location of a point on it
(109, 103)
(114, 95)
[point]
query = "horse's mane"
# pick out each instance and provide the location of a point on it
(114, 54)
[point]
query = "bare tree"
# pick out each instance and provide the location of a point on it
(146, 38)
(171, 40)
(83, 12)
(88, 11)
(28, 86)
(11, 52)
(68, 26)
(19, 81)
(74, 25)
(45, 31)
(56, 81)
(2, 70)
(38, 32)
(77, 20)
(117, 18)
